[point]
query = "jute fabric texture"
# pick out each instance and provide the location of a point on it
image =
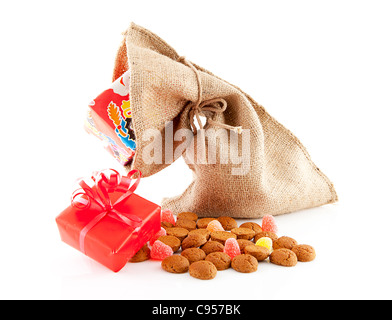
(164, 88)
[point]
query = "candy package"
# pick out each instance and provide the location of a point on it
(110, 119)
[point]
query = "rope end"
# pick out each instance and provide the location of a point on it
(238, 130)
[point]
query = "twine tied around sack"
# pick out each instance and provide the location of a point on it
(216, 105)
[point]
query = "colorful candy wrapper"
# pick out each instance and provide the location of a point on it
(110, 119)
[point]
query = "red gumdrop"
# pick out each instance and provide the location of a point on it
(160, 251)
(156, 236)
(167, 215)
(232, 248)
(268, 224)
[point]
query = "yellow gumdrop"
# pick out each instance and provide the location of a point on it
(265, 242)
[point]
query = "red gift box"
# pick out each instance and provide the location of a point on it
(107, 221)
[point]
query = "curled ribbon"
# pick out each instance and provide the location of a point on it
(105, 182)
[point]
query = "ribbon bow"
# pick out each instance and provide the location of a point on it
(105, 182)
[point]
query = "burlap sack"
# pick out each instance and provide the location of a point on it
(165, 87)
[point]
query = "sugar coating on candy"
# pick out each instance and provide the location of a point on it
(265, 242)
(268, 224)
(168, 216)
(232, 248)
(156, 236)
(160, 251)
(214, 225)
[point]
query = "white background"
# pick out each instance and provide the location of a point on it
(321, 68)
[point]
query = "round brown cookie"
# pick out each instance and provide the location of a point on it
(227, 223)
(171, 241)
(252, 225)
(304, 252)
(243, 243)
(283, 257)
(188, 215)
(175, 264)
(263, 234)
(243, 233)
(203, 222)
(222, 236)
(221, 260)
(142, 255)
(245, 263)
(180, 233)
(193, 241)
(193, 254)
(204, 232)
(260, 253)
(186, 224)
(166, 225)
(284, 242)
(204, 270)
(212, 246)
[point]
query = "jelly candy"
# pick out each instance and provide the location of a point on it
(268, 224)
(167, 215)
(156, 236)
(215, 225)
(160, 251)
(232, 248)
(265, 242)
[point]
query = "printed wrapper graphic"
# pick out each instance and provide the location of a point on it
(107, 221)
(109, 118)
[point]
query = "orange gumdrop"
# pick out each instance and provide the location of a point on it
(215, 225)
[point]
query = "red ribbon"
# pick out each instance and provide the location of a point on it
(105, 182)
